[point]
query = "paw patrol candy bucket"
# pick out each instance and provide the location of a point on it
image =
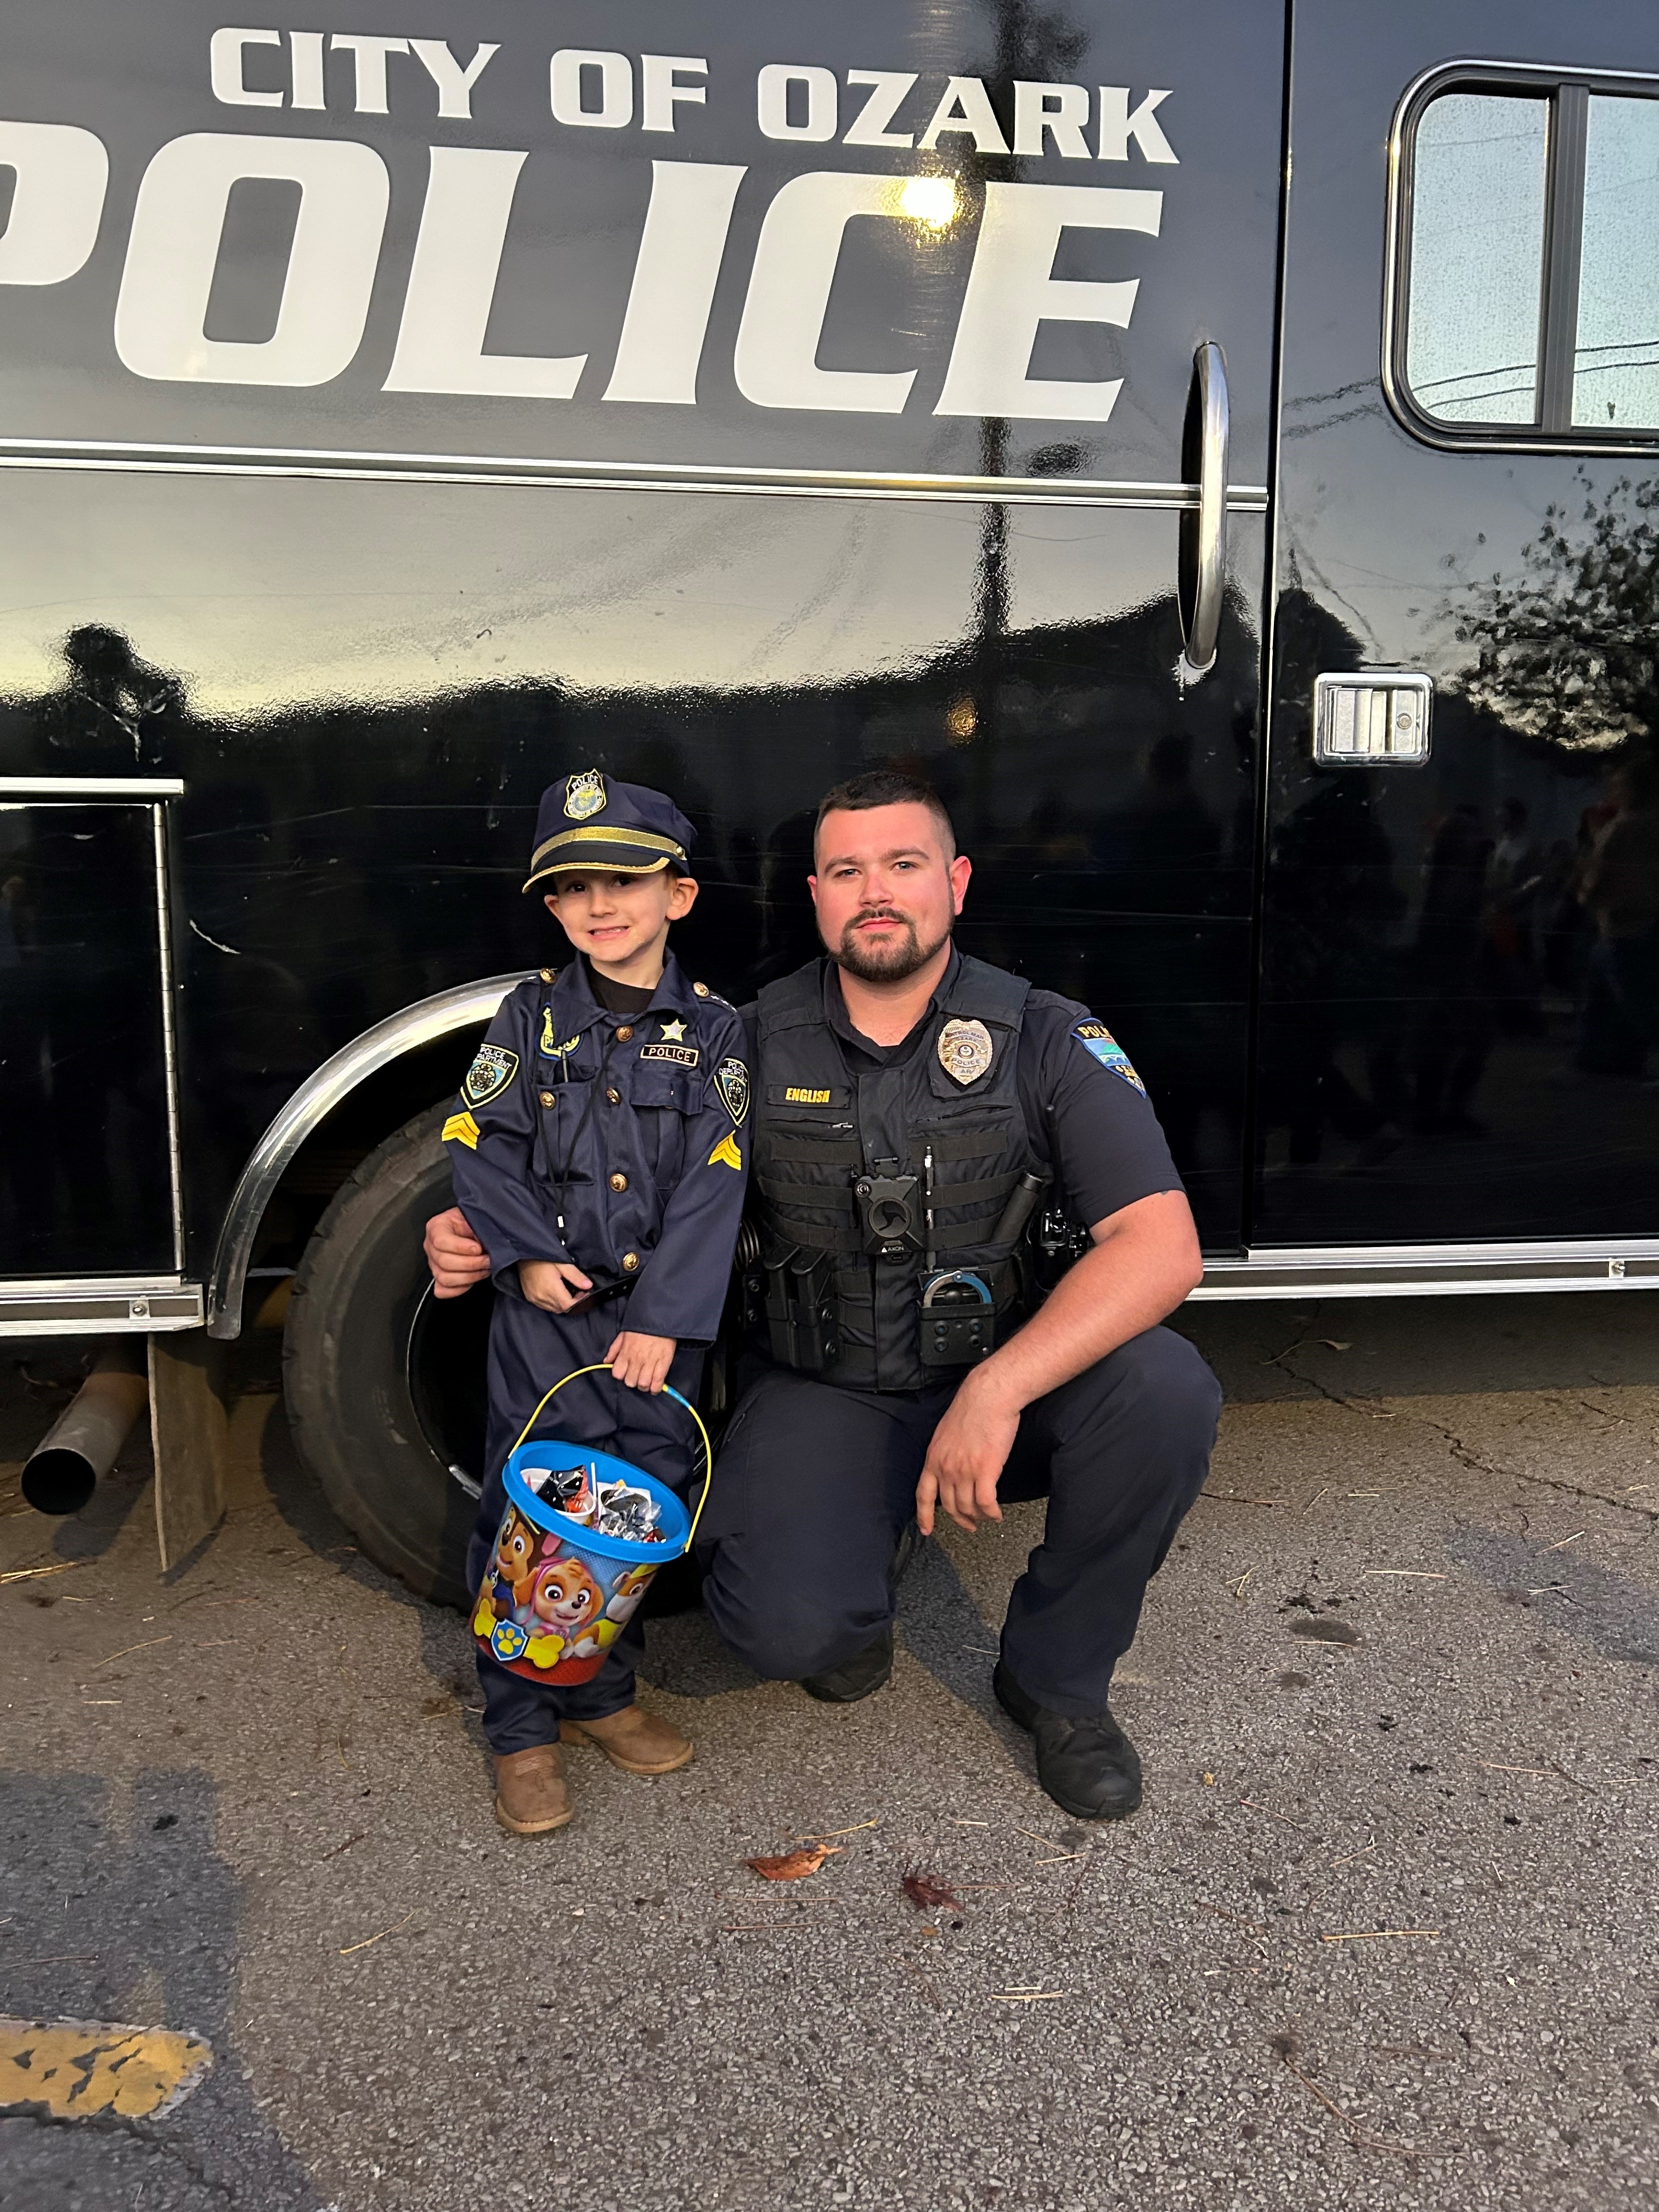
(582, 1534)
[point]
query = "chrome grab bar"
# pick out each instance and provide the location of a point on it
(1204, 533)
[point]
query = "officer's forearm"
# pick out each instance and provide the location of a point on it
(1144, 1262)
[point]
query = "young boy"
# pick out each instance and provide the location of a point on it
(599, 1151)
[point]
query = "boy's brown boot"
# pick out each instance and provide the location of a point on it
(532, 1795)
(634, 1740)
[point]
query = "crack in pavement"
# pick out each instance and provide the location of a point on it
(108, 2140)
(1466, 1454)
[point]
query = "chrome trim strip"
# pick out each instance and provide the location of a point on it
(91, 786)
(610, 475)
(1381, 1271)
(1425, 428)
(169, 1034)
(426, 1019)
(99, 1305)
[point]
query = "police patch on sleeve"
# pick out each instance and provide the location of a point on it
(490, 1074)
(1096, 1038)
(732, 1082)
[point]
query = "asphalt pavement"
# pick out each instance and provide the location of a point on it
(1382, 1935)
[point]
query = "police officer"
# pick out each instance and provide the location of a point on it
(597, 1150)
(914, 1110)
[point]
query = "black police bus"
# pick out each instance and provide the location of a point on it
(1213, 442)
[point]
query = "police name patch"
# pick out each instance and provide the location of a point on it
(804, 1094)
(682, 1055)
(490, 1074)
(732, 1082)
(1096, 1038)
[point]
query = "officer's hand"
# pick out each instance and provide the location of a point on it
(453, 1254)
(640, 1360)
(553, 1284)
(965, 1460)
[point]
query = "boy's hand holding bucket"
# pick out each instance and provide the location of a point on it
(642, 1361)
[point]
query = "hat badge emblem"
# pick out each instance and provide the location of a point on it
(584, 794)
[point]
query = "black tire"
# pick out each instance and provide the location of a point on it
(384, 1385)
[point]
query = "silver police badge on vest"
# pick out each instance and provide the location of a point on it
(490, 1074)
(584, 794)
(964, 1050)
(732, 1082)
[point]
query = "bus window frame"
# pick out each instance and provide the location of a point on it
(1568, 92)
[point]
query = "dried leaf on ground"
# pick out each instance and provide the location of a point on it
(929, 1893)
(793, 1865)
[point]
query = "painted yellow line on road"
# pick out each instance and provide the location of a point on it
(78, 2070)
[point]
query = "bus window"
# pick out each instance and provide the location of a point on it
(1477, 257)
(1615, 372)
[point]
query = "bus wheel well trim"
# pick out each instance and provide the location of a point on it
(463, 1006)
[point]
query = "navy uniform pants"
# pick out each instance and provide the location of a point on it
(814, 1486)
(529, 1350)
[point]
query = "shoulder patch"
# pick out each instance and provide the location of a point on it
(1097, 1040)
(490, 1074)
(461, 1129)
(731, 1083)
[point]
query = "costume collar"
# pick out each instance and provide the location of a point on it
(576, 1009)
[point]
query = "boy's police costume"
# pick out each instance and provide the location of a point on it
(616, 1140)
(897, 1188)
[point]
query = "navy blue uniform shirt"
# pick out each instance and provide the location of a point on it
(1088, 1117)
(628, 1129)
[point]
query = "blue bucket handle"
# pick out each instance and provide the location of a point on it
(603, 1367)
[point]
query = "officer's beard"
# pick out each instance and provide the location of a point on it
(885, 960)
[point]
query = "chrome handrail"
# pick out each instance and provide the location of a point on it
(1209, 532)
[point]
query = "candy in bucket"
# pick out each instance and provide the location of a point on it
(581, 1538)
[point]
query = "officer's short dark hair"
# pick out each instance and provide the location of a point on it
(887, 786)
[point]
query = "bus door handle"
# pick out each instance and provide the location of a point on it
(1202, 582)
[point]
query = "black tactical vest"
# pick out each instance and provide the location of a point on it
(847, 1248)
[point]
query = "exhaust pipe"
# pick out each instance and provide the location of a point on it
(85, 1441)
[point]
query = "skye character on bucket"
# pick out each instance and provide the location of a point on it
(599, 1150)
(565, 1598)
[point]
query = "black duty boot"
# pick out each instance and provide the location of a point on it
(861, 1675)
(1089, 1767)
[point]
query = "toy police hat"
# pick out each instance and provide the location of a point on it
(589, 820)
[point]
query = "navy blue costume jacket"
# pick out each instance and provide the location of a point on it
(629, 1130)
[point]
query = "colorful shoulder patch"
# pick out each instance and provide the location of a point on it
(490, 1074)
(1096, 1039)
(461, 1129)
